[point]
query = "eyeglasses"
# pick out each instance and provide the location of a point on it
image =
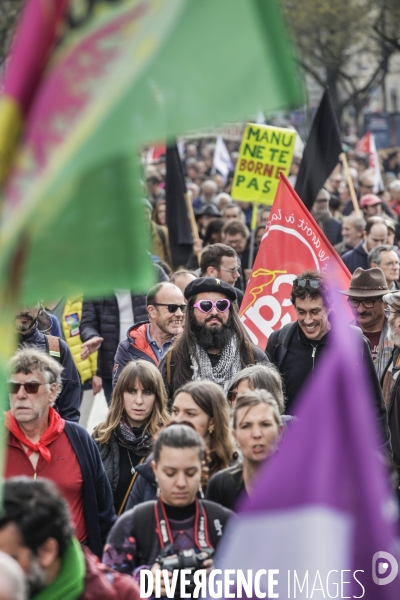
(367, 303)
(206, 306)
(231, 271)
(307, 282)
(172, 308)
(31, 387)
(232, 397)
(367, 187)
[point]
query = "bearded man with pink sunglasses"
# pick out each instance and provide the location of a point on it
(213, 345)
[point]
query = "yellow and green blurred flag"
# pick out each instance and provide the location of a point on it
(86, 97)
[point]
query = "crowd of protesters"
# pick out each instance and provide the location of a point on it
(194, 407)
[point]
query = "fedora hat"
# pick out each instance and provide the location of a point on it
(367, 283)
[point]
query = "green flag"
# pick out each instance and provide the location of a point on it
(135, 71)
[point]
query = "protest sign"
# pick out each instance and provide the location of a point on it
(265, 153)
(292, 243)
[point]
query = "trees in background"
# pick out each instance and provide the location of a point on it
(9, 11)
(341, 44)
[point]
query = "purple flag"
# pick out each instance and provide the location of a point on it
(322, 508)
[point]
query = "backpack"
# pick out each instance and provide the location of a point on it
(53, 347)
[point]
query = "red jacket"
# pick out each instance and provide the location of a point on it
(102, 583)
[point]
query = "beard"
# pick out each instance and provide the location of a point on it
(393, 335)
(215, 337)
(36, 578)
(23, 327)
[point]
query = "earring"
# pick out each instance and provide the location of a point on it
(158, 492)
(210, 431)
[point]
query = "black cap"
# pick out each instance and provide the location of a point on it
(209, 284)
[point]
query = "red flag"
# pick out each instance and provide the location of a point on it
(367, 146)
(292, 243)
(364, 144)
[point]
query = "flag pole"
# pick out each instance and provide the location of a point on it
(193, 224)
(350, 184)
(252, 234)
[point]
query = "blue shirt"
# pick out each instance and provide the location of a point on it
(159, 352)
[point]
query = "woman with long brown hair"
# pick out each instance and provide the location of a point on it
(138, 409)
(204, 406)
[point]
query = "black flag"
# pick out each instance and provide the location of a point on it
(321, 153)
(180, 233)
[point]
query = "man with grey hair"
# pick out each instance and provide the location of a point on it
(233, 211)
(353, 228)
(331, 227)
(387, 260)
(41, 443)
(209, 191)
(12, 579)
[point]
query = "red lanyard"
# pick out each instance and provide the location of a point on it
(200, 526)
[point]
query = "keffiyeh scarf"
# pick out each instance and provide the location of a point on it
(228, 365)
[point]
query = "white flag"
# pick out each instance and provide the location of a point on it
(222, 160)
(260, 118)
(374, 164)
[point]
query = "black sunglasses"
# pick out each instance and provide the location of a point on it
(172, 308)
(307, 282)
(31, 387)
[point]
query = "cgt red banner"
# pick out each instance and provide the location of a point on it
(292, 243)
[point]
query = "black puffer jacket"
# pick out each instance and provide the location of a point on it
(145, 487)
(110, 457)
(101, 318)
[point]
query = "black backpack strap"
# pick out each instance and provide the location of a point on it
(143, 530)
(282, 344)
(214, 526)
(53, 347)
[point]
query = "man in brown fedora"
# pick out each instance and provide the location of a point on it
(391, 379)
(367, 287)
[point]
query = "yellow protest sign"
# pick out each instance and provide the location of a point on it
(265, 153)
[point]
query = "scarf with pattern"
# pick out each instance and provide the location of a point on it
(134, 438)
(228, 365)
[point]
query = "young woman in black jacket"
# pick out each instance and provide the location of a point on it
(138, 409)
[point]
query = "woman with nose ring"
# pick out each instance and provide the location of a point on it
(138, 409)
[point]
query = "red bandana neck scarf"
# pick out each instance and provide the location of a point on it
(55, 428)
